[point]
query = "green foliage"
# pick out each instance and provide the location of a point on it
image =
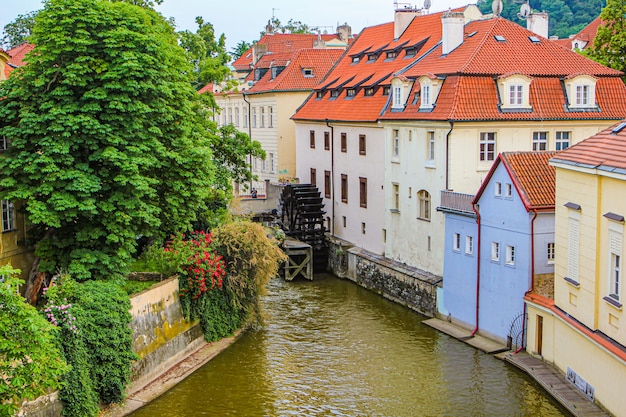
(567, 17)
(292, 26)
(134, 287)
(30, 362)
(109, 141)
(240, 49)
(100, 349)
(18, 31)
(207, 54)
(609, 46)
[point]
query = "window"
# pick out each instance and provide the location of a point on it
(344, 142)
(391, 54)
(327, 184)
(431, 145)
(510, 255)
(397, 96)
(307, 72)
(334, 93)
(410, 52)
(582, 95)
(573, 239)
(246, 117)
(372, 57)
(508, 190)
(344, 188)
(8, 216)
(264, 165)
(456, 242)
(550, 252)
(271, 163)
(615, 268)
(396, 143)
(562, 140)
(262, 116)
(363, 228)
(362, 145)
(313, 176)
(270, 117)
(369, 91)
(495, 251)
(363, 192)
(312, 139)
(237, 116)
(254, 117)
(424, 204)
(386, 90)
(350, 92)
(469, 245)
(425, 96)
(487, 146)
(396, 197)
(497, 189)
(540, 141)
(230, 116)
(256, 164)
(344, 220)
(356, 59)
(516, 95)
(326, 141)
(319, 94)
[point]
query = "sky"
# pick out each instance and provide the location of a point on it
(243, 20)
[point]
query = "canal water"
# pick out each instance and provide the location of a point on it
(331, 348)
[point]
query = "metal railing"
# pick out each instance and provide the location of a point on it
(457, 201)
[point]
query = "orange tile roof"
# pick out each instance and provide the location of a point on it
(208, 87)
(533, 178)
(292, 78)
(589, 32)
(605, 151)
(17, 55)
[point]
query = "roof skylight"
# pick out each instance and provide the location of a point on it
(500, 38)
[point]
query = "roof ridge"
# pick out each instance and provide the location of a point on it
(477, 50)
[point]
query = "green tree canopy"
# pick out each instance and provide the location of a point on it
(108, 136)
(240, 49)
(292, 26)
(609, 45)
(18, 31)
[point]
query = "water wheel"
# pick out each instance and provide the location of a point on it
(302, 217)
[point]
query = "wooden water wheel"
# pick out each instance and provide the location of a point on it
(302, 217)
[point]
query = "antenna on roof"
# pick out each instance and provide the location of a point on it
(496, 7)
(427, 4)
(524, 11)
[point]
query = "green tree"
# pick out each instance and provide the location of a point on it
(30, 362)
(609, 45)
(19, 30)
(206, 53)
(240, 49)
(230, 150)
(108, 137)
(292, 26)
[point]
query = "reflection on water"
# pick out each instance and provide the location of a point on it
(331, 348)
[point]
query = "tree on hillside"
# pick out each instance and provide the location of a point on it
(206, 53)
(108, 138)
(292, 26)
(18, 31)
(609, 45)
(240, 49)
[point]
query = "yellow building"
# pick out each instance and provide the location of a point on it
(582, 332)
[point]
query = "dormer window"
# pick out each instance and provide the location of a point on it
(581, 92)
(391, 55)
(319, 94)
(410, 52)
(350, 92)
(429, 91)
(401, 89)
(356, 59)
(334, 93)
(307, 72)
(369, 91)
(397, 96)
(386, 90)
(514, 91)
(426, 96)
(372, 57)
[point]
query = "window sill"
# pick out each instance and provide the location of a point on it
(572, 282)
(423, 219)
(613, 302)
(395, 211)
(430, 164)
(9, 231)
(395, 160)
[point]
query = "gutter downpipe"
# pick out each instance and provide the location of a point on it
(448, 154)
(532, 273)
(332, 175)
(474, 207)
(243, 94)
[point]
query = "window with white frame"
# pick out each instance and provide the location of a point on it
(396, 143)
(497, 189)
(456, 242)
(582, 95)
(425, 93)
(397, 96)
(237, 116)
(573, 242)
(8, 216)
(396, 197)
(271, 163)
(510, 255)
(423, 197)
(581, 91)
(254, 117)
(262, 116)
(540, 141)
(516, 94)
(487, 148)
(246, 117)
(550, 252)
(562, 140)
(615, 266)
(270, 116)
(431, 145)
(508, 190)
(264, 165)
(469, 245)
(495, 251)
(230, 116)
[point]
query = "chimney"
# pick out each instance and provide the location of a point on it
(258, 50)
(538, 23)
(403, 18)
(452, 31)
(344, 32)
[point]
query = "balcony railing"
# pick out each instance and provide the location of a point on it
(456, 202)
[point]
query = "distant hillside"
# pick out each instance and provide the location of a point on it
(567, 17)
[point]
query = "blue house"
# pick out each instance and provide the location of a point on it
(491, 241)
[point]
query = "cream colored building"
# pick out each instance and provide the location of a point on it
(582, 332)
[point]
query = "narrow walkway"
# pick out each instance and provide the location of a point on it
(549, 378)
(555, 383)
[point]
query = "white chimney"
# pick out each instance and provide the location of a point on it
(538, 23)
(402, 20)
(452, 31)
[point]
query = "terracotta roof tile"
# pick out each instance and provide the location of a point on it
(17, 55)
(605, 151)
(589, 32)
